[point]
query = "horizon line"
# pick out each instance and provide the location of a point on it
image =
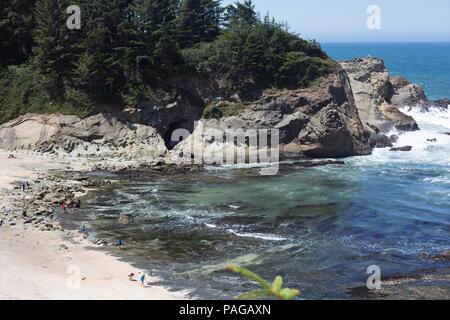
(381, 42)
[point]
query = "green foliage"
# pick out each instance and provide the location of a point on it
(99, 69)
(55, 50)
(21, 91)
(222, 109)
(274, 290)
(129, 51)
(154, 53)
(241, 12)
(258, 55)
(16, 27)
(199, 21)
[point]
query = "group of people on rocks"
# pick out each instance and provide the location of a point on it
(76, 204)
(25, 186)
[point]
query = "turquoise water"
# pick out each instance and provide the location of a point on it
(425, 63)
(320, 228)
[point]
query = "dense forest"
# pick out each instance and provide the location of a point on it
(127, 51)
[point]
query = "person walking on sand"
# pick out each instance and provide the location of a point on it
(142, 280)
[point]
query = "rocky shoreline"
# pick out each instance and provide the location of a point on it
(36, 205)
(346, 114)
(37, 251)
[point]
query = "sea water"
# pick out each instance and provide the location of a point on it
(320, 228)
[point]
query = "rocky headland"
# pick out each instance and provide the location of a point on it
(344, 114)
(347, 113)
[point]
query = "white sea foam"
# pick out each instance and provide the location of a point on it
(261, 236)
(439, 180)
(433, 125)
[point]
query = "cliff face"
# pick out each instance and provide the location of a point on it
(100, 136)
(378, 97)
(320, 121)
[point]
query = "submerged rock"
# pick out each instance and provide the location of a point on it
(404, 149)
(124, 218)
(443, 256)
(378, 140)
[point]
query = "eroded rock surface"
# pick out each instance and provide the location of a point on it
(99, 136)
(379, 97)
(321, 121)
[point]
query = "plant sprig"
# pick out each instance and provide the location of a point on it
(268, 290)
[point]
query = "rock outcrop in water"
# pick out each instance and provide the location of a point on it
(378, 96)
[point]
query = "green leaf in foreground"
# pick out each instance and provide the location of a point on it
(268, 291)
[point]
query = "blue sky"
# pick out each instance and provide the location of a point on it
(346, 20)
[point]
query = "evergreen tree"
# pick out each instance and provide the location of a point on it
(56, 46)
(156, 51)
(16, 25)
(199, 21)
(243, 12)
(107, 34)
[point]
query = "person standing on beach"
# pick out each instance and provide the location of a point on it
(142, 279)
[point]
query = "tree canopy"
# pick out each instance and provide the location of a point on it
(128, 49)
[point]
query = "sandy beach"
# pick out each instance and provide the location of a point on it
(59, 264)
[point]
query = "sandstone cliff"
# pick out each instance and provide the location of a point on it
(101, 136)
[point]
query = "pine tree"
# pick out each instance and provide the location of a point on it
(16, 25)
(56, 46)
(156, 47)
(199, 21)
(243, 12)
(107, 34)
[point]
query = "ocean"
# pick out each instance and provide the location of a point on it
(427, 64)
(320, 228)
